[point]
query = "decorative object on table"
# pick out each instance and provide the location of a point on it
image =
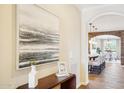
(32, 76)
(37, 35)
(62, 69)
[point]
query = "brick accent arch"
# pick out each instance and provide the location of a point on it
(115, 33)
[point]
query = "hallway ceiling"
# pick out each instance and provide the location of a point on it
(84, 6)
(110, 22)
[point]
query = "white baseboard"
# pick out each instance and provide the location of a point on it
(78, 85)
(85, 83)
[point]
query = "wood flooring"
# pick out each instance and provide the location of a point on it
(112, 77)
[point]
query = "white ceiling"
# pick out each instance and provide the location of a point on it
(83, 6)
(109, 23)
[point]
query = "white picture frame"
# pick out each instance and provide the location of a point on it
(62, 69)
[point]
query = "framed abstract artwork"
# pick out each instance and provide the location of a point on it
(37, 35)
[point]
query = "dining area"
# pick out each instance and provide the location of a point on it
(96, 64)
(103, 49)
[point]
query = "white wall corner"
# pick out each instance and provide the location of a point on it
(78, 85)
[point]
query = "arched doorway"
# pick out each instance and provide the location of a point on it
(108, 46)
(91, 17)
(115, 33)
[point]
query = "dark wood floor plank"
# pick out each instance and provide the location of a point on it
(112, 77)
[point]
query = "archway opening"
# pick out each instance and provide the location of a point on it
(107, 46)
(105, 49)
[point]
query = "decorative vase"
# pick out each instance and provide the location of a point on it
(32, 78)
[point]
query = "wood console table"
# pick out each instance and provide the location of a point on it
(49, 82)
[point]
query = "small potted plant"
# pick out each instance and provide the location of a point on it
(32, 62)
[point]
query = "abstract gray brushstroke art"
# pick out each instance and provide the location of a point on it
(37, 36)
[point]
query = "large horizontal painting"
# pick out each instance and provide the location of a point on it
(37, 36)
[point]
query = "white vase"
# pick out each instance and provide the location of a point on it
(32, 78)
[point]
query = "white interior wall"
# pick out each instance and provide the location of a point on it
(84, 51)
(70, 27)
